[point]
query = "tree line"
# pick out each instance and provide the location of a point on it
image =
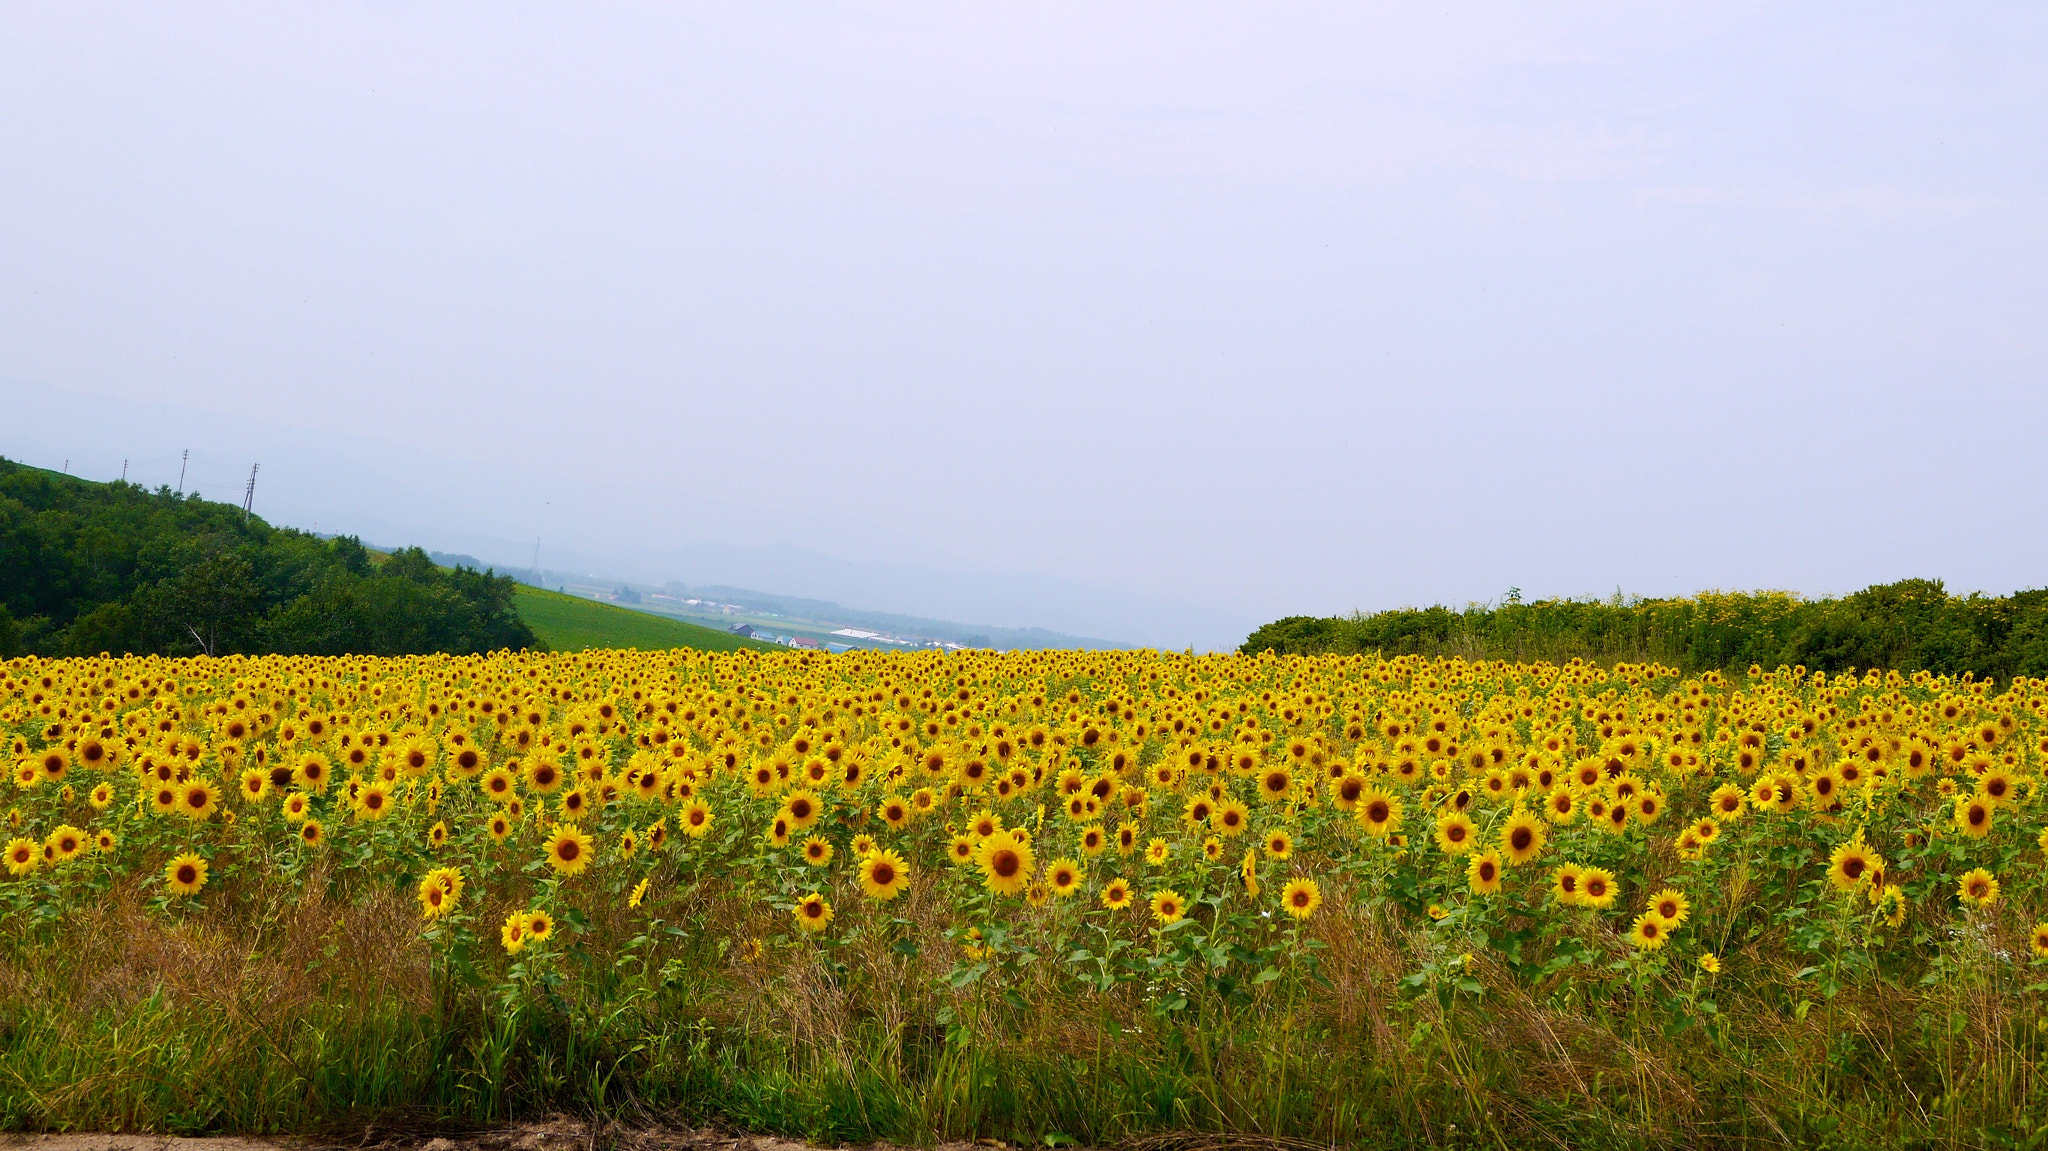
(89, 567)
(1912, 625)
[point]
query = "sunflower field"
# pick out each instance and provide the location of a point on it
(1048, 897)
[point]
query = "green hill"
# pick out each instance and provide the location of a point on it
(567, 623)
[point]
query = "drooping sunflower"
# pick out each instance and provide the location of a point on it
(185, 874)
(1301, 897)
(568, 849)
(813, 913)
(883, 875)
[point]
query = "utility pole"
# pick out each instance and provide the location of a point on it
(124, 471)
(182, 461)
(536, 560)
(249, 496)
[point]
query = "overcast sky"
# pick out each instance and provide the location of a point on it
(1164, 318)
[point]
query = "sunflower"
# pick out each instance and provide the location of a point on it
(1726, 802)
(1212, 849)
(498, 784)
(539, 926)
(695, 819)
(1093, 841)
(1279, 844)
(437, 835)
(1521, 837)
(804, 810)
(1977, 887)
(1063, 876)
(1127, 838)
(101, 797)
(1006, 863)
(1973, 815)
(1649, 932)
(185, 874)
(1851, 864)
(1564, 883)
(1710, 963)
(817, 851)
(311, 833)
(893, 811)
(1455, 833)
(1379, 813)
(513, 934)
(639, 892)
(1671, 906)
(1561, 806)
(65, 843)
(1483, 873)
(373, 801)
(813, 913)
(1167, 905)
(1116, 895)
(883, 875)
(312, 772)
(2037, 940)
(1597, 888)
(545, 774)
(568, 849)
(1301, 897)
(439, 891)
(960, 849)
(23, 856)
(105, 840)
(198, 799)
(1158, 852)
(574, 805)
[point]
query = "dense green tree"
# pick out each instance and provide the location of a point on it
(86, 568)
(1912, 624)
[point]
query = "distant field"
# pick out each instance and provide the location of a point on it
(567, 623)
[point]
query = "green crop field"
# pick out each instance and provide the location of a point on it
(566, 623)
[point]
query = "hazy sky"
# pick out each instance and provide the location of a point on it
(1169, 318)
